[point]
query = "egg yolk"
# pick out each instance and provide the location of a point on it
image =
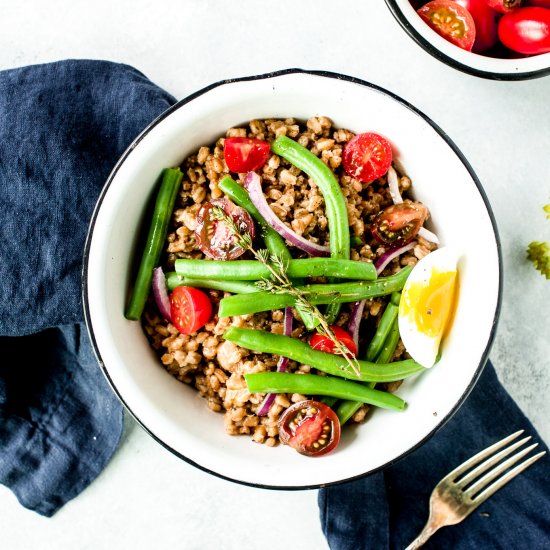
(428, 304)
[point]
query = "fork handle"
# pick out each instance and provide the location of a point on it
(429, 529)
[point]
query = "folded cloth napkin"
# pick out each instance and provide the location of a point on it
(62, 128)
(388, 509)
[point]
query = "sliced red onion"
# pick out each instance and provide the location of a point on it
(354, 321)
(254, 188)
(390, 254)
(282, 365)
(393, 184)
(428, 235)
(160, 292)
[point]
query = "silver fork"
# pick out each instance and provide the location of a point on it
(456, 496)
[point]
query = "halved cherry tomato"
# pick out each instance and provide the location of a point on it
(324, 343)
(451, 21)
(367, 156)
(504, 6)
(245, 154)
(310, 427)
(190, 309)
(526, 30)
(399, 224)
(486, 23)
(214, 237)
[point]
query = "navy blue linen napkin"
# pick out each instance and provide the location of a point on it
(62, 128)
(387, 510)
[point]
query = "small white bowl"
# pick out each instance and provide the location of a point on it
(468, 62)
(172, 412)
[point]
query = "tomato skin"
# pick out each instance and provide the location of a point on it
(245, 154)
(486, 23)
(526, 30)
(310, 427)
(213, 236)
(320, 342)
(538, 3)
(367, 156)
(460, 30)
(399, 224)
(504, 6)
(190, 309)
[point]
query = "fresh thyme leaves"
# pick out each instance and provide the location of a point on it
(280, 283)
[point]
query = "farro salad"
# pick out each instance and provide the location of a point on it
(294, 284)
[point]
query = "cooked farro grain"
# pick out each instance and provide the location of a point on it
(215, 367)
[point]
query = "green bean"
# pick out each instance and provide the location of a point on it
(236, 287)
(384, 327)
(335, 203)
(273, 241)
(253, 270)
(164, 205)
(328, 400)
(311, 384)
(354, 241)
(315, 294)
(277, 344)
(346, 409)
(388, 349)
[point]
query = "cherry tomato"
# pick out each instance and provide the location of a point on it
(245, 154)
(451, 21)
(367, 156)
(214, 237)
(538, 3)
(399, 224)
(324, 343)
(526, 30)
(486, 23)
(190, 309)
(310, 427)
(504, 6)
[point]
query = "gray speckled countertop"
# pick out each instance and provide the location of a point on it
(146, 497)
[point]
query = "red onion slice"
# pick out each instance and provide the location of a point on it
(354, 321)
(393, 184)
(390, 254)
(254, 187)
(428, 235)
(160, 293)
(282, 365)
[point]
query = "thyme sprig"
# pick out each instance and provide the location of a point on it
(281, 284)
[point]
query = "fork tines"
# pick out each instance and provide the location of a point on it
(467, 480)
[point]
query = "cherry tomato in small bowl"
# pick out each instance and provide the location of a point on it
(190, 309)
(504, 6)
(320, 342)
(367, 156)
(245, 154)
(486, 23)
(526, 30)
(310, 427)
(451, 21)
(399, 224)
(214, 237)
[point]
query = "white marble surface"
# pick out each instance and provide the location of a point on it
(146, 497)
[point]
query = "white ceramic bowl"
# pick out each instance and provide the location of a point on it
(468, 62)
(172, 412)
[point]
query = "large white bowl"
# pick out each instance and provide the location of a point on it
(468, 62)
(172, 412)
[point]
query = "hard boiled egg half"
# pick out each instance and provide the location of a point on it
(427, 304)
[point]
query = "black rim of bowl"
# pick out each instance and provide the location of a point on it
(438, 54)
(325, 74)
